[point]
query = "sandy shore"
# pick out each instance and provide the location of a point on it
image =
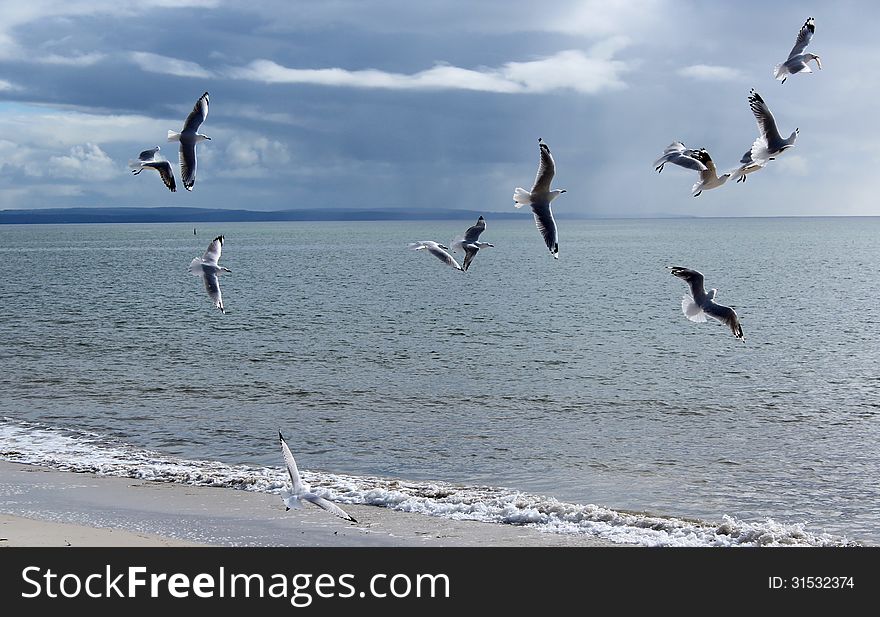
(44, 507)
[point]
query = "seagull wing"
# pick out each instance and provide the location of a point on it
(693, 278)
(212, 286)
(803, 38)
(165, 172)
(329, 506)
(212, 255)
(766, 122)
(546, 170)
(547, 226)
(473, 232)
(188, 164)
(437, 251)
(470, 252)
(292, 469)
(148, 155)
(197, 115)
(725, 315)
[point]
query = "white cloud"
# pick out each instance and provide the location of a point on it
(587, 73)
(8, 86)
(72, 60)
(707, 72)
(85, 162)
(155, 63)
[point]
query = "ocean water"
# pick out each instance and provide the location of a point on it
(570, 395)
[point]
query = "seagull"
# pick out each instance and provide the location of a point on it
(677, 154)
(769, 143)
(437, 250)
(470, 243)
(709, 178)
(700, 304)
(148, 160)
(207, 268)
(299, 491)
(747, 166)
(539, 199)
(798, 61)
(188, 138)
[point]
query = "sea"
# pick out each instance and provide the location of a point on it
(568, 395)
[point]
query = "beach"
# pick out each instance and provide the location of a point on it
(44, 507)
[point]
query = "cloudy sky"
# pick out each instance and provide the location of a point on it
(435, 104)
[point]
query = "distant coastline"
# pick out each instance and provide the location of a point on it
(203, 215)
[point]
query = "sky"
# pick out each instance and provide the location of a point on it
(435, 104)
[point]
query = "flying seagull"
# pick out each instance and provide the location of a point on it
(677, 154)
(470, 244)
(299, 491)
(709, 178)
(207, 268)
(539, 199)
(698, 160)
(700, 304)
(437, 250)
(188, 138)
(798, 61)
(148, 159)
(769, 143)
(747, 166)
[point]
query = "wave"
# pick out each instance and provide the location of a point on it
(86, 452)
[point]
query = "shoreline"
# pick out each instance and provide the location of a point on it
(45, 507)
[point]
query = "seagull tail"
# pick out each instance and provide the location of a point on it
(692, 310)
(173, 136)
(195, 266)
(521, 197)
(135, 165)
(416, 245)
(779, 72)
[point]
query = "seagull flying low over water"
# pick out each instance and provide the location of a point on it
(701, 304)
(769, 143)
(299, 491)
(437, 250)
(188, 138)
(470, 244)
(148, 159)
(539, 199)
(207, 268)
(698, 160)
(798, 61)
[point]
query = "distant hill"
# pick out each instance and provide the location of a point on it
(202, 215)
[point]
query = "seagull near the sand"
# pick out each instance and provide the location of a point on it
(539, 199)
(148, 159)
(798, 61)
(701, 304)
(769, 143)
(299, 491)
(207, 268)
(440, 251)
(470, 244)
(188, 138)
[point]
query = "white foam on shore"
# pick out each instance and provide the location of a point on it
(84, 452)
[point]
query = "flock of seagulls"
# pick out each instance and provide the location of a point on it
(769, 143)
(697, 307)
(188, 137)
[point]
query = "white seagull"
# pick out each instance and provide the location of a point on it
(470, 244)
(677, 154)
(299, 491)
(188, 138)
(769, 143)
(698, 160)
(437, 250)
(148, 159)
(747, 166)
(798, 61)
(539, 199)
(207, 268)
(700, 304)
